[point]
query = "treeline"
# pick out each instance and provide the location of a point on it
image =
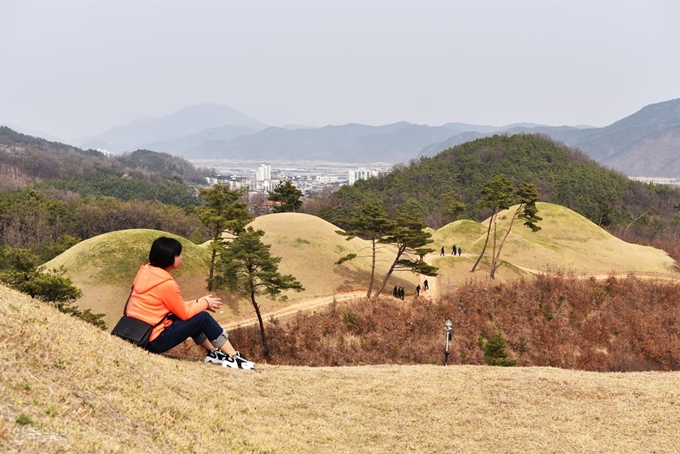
(53, 195)
(132, 185)
(163, 164)
(30, 219)
(25, 160)
(448, 186)
(611, 325)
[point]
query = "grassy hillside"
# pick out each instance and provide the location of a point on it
(566, 243)
(40, 158)
(104, 267)
(569, 242)
(85, 391)
(437, 188)
(309, 247)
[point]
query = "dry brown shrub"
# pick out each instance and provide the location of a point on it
(616, 324)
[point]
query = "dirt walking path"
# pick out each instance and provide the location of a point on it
(293, 309)
(432, 290)
(433, 282)
(314, 303)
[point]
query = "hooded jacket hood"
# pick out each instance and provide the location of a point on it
(150, 277)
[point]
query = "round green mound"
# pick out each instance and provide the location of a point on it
(103, 267)
(567, 242)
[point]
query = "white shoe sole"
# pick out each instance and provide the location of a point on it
(246, 365)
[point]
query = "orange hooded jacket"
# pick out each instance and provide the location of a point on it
(155, 294)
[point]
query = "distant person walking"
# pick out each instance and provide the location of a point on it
(453, 251)
(395, 292)
(460, 251)
(426, 285)
(442, 253)
(418, 290)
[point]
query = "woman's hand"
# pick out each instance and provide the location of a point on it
(213, 302)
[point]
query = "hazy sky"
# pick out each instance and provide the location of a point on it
(72, 68)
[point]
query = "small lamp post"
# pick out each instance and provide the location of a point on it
(448, 327)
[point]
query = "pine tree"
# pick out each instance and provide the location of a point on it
(18, 270)
(499, 194)
(526, 209)
(495, 354)
(224, 211)
(369, 223)
(289, 195)
(410, 238)
(245, 266)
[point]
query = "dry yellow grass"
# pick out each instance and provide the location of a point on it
(69, 387)
(569, 242)
(104, 267)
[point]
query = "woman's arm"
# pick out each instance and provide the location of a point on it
(172, 298)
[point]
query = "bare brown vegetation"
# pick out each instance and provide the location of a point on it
(616, 324)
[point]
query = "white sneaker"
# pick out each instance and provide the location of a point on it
(238, 361)
(215, 357)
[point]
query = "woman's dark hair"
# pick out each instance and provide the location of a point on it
(163, 252)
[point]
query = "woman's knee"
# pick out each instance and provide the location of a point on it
(211, 331)
(204, 317)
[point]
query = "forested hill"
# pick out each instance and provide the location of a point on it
(25, 160)
(449, 185)
(53, 195)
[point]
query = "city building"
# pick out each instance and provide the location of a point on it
(359, 174)
(264, 172)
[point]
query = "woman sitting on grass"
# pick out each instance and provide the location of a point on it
(156, 295)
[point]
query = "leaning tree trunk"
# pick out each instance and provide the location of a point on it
(265, 348)
(494, 264)
(488, 232)
(400, 251)
(493, 249)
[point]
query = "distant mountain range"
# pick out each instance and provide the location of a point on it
(646, 143)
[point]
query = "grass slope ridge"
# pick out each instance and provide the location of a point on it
(310, 247)
(568, 242)
(85, 391)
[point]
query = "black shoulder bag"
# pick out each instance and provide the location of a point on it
(132, 329)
